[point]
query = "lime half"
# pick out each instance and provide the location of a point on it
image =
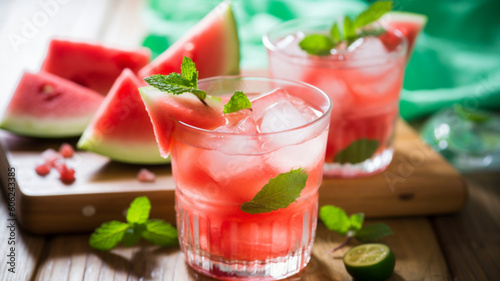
(373, 262)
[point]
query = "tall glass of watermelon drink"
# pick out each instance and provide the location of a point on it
(363, 80)
(233, 219)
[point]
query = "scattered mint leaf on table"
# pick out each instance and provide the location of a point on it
(337, 220)
(278, 193)
(160, 233)
(320, 45)
(176, 84)
(373, 232)
(138, 212)
(358, 151)
(237, 102)
(108, 235)
(138, 225)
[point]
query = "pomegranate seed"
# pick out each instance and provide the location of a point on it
(66, 150)
(66, 174)
(43, 169)
(145, 175)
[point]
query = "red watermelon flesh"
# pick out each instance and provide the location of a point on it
(121, 128)
(92, 65)
(165, 108)
(212, 44)
(45, 105)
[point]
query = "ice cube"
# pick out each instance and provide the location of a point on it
(242, 121)
(305, 155)
(223, 167)
(260, 103)
(366, 48)
(281, 116)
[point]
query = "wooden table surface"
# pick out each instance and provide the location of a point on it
(462, 246)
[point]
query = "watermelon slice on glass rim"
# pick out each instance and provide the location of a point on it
(410, 25)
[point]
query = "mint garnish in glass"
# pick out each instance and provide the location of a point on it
(352, 29)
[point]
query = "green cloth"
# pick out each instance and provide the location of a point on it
(456, 59)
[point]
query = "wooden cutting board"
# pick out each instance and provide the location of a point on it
(418, 182)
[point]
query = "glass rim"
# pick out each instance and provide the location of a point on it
(271, 46)
(262, 78)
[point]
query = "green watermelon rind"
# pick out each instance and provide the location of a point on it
(224, 13)
(136, 153)
(45, 128)
(401, 16)
(233, 48)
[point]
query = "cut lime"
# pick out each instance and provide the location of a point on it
(373, 262)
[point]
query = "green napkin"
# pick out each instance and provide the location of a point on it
(456, 60)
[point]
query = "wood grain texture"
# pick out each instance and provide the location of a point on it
(68, 257)
(471, 238)
(418, 182)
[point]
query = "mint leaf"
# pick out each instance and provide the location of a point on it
(373, 13)
(321, 45)
(349, 30)
(108, 235)
(335, 219)
(356, 221)
(160, 233)
(317, 44)
(133, 234)
(279, 192)
(138, 212)
(176, 83)
(358, 151)
(335, 33)
(189, 72)
(373, 232)
(237, 102)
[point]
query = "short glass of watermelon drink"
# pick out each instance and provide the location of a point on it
(363, 80)
(226, 229)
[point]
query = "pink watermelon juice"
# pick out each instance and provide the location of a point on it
(363, 81)
(216, 171)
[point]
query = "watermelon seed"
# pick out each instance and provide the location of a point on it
(47, 89)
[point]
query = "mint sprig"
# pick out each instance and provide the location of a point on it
(278, 193)
(138, 225)
(176, 84)
(337, 220)
(237, 102)
(352, 29)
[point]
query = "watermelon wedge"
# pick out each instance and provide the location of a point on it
(165, 108)
(45, 105)
(212, 44)
(92, 65)
(121, 128)
(409, 24)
